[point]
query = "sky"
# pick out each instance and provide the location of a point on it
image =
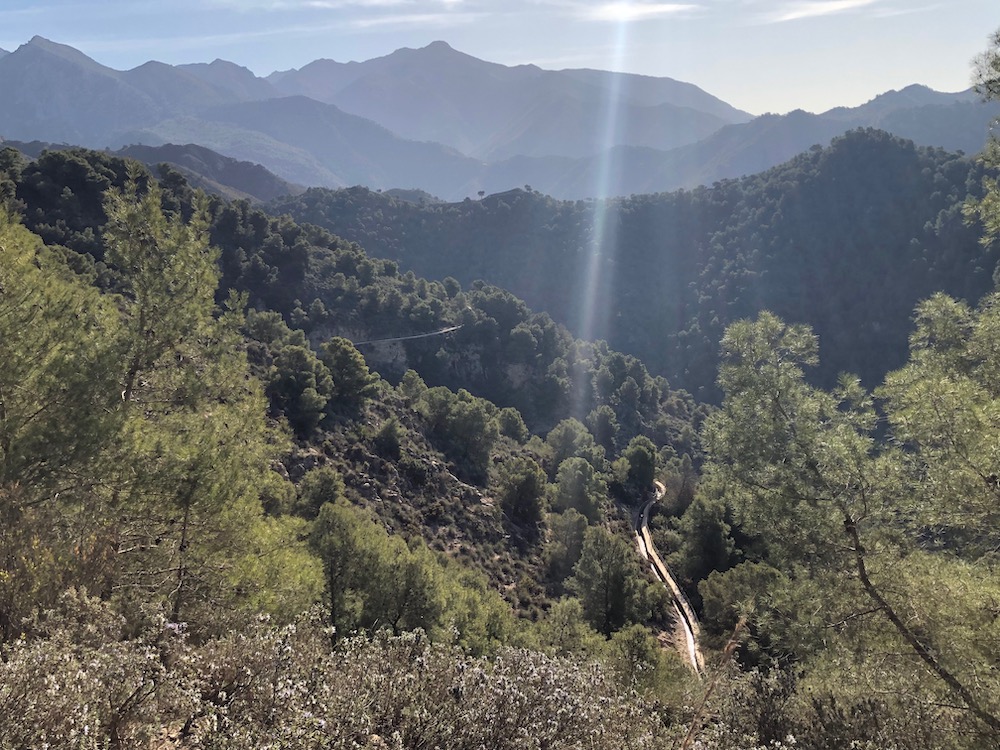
(758, 55)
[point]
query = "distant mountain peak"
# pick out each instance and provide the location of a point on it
(231, 79)
(48, 45)
(441, 53)
(915, 88)
(153, 65)
(220, 63)
(439, 47)
(218, 66)
(62, 51)
(914, 95)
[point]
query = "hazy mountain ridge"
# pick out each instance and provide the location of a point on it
(283, 159)
(236, 78)
(206, 169)
(56, 93)
(491, 111)
(333, 148)
(745, 149)
(915, 95)
(82, 99)
(549, 129)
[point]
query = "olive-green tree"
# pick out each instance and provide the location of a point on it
(608, 581)
(579, 487)
(344, 540)
(352, 382)
(297, 383)
(376, 581)
(512, 425)
(705, 541)
(195, 449)
(642, 664)
(59, 408)
(320, 486)
(11, 164)
(565, 632)
(987, 84)
(856, 523)
(571, 438)
(463, 426)
(565, 542)
(603, 424)
(638, 465)
(522, 491)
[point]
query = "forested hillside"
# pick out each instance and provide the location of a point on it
(454, 466)
(259, 489)
(847, 239)
(214, 451)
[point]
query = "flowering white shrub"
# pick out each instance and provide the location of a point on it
(79, 680)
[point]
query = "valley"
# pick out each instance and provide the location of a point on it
(425, 401)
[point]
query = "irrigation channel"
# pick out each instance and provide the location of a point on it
(440, 332)
(686, 617)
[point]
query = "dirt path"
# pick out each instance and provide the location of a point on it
(682, 607)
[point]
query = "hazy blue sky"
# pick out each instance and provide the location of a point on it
(760, 55)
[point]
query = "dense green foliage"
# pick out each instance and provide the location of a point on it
(122, 471)
(326, 287)
(876, 545)
(233, 527)
(218, 461)
(431, 452)
(606, 580)
(868, 519)
(165, 495)
(846, 238)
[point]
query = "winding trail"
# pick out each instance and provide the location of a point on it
(682, 607)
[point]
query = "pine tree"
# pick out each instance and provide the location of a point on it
(58, 409)
(195, 450)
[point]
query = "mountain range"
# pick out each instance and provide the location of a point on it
(493, 112)
(446, 122)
